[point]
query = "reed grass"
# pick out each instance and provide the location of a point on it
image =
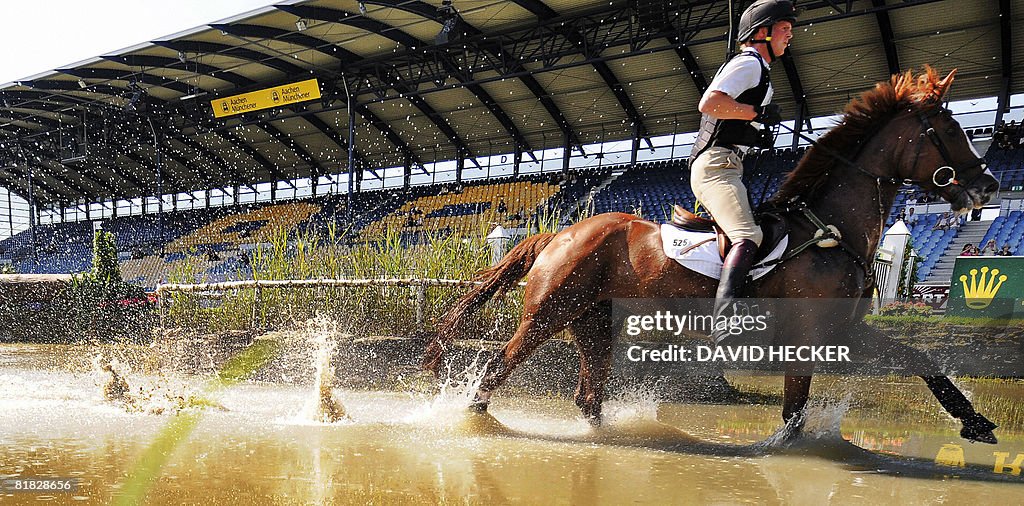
(369, 310)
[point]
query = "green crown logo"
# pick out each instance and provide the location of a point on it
(980, 291)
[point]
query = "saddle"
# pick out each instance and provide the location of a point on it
(772, 226)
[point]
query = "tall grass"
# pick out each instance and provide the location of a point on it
(371, 310)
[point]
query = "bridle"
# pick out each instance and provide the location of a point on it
(927, 130)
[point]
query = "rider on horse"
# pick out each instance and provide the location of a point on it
(737, 113)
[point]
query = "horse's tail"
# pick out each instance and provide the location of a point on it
(494, 280)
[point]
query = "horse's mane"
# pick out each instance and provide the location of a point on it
(862, 117)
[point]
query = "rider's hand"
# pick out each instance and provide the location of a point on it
(769, 115)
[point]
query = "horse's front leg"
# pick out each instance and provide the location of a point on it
(975, 426)
(797, 391)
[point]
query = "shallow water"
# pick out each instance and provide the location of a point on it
(259, 443)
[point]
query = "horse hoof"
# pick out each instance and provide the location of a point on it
(975, 437)
(594, 421)
(977, 428)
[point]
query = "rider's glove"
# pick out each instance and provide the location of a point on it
(769, 115)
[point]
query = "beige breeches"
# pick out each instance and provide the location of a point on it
(716, 180)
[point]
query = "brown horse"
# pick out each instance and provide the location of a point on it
(896, 133)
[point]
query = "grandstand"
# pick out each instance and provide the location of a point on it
(468, 208)
(437, 151)
(213, 242)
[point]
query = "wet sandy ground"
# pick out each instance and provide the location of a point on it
(260, 443)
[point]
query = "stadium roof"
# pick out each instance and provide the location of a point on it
(530, 74)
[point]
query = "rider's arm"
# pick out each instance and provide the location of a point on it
(720, 105)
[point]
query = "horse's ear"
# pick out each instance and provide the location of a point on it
(943, 86)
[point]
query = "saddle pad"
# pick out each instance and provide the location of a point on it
(704, 259)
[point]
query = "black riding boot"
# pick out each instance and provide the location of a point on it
(734, 276)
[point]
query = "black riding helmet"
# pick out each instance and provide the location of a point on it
(764, 13)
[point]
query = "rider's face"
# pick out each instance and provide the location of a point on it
(782, 32)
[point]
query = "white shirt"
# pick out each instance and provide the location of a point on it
(741, 74)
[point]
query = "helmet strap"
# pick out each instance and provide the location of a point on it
(767, 41)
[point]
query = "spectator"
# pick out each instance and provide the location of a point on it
(943, 222)
(911, 217)
(976, 214)
(999, 137)
(968, 250)
(990, 248)
(952, 220)
(911, 202)
(902, 216)
(1005, 252)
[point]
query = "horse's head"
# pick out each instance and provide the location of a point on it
(939, 157)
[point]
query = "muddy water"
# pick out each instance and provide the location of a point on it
(259, 443)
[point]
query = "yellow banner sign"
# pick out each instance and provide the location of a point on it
(265, 99)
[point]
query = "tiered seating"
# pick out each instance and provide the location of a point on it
(252, 227)
(1007, 229)
(465, 211)
(367, 207)
(147, 271)
(649, 189)
(929, 244)
(652, 188)
(1007, 166)
(765, 172)
(61, 248)
(208, 240)
(570, 202)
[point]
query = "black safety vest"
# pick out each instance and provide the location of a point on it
(735, 132)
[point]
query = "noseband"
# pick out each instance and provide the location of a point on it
(929, 132)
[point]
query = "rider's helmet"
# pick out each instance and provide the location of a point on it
(764, 13)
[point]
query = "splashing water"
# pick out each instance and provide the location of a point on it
(328, 409)
(820, 422)
(449, 406)
(634, 403)
(116, 388)
(153, 396)
(823, 417)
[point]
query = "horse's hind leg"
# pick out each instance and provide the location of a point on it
(592, 333)
(532, 332)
